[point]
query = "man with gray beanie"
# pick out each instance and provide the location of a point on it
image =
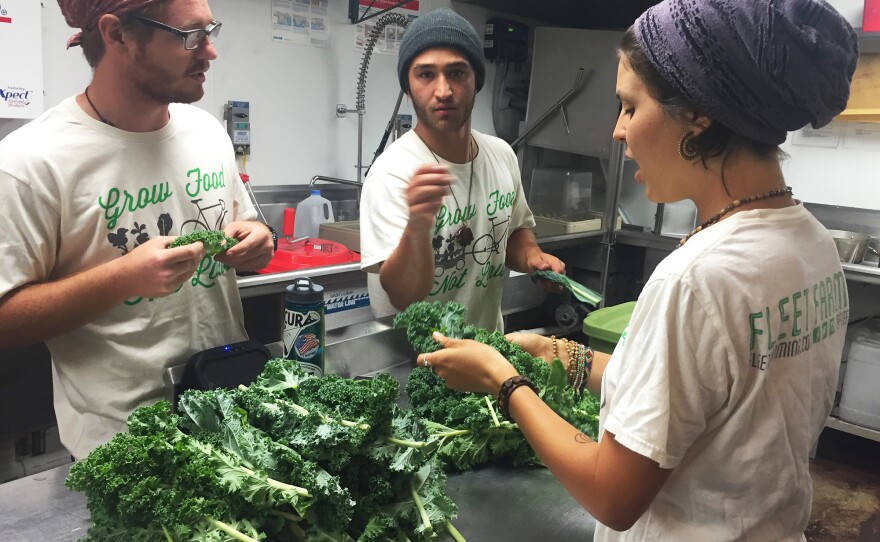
(94, 191)
(443, 210)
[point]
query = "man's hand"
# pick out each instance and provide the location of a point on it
(425, 192)
(156, 271)
(254, 249)
(541, 261)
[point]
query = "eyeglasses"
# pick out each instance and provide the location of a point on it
(192, 39)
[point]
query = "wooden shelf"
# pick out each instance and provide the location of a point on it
(864, 99)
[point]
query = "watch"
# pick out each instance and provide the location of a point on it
(274, 238)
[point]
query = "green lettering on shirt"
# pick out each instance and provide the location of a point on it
(499, 202)
(116, 203)
(199, 182)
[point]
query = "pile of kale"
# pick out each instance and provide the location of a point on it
(294, 457)
(289, 458)
(468, 427)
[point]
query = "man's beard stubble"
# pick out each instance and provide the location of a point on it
(424, 115)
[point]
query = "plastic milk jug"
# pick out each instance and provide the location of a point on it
(304, 325)
(310, 214)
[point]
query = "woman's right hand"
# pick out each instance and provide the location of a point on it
(536, 345)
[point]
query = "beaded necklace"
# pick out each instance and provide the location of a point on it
(95, 109)
(733, 205)
(465, 235)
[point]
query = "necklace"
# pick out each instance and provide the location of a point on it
(731, 206)
(465, 235)
(95, 109)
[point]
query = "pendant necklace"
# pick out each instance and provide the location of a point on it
(733, 205)
(465, 235)
(95, 109)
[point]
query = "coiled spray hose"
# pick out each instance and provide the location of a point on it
(395, 19)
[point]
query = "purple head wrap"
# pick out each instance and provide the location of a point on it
(760, 67)
(84, 14)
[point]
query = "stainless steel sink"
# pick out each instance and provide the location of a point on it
(348, 233)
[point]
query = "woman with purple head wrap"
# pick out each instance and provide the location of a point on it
(724, 378)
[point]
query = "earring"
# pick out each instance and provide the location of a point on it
(687, 149)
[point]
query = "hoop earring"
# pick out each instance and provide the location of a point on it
(687, 149)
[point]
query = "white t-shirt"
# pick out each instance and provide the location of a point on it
(78, 193)
(473, 274)
(727, 374)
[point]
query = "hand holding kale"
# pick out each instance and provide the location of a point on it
(469, 425)
(215, 241)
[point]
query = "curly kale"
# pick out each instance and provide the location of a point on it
(423, 318)
(215, 241)
(468, 426)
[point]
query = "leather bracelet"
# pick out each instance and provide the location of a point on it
(507, 388)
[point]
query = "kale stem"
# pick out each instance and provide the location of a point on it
(454, 532)
(276, 484)
(424, 514)
(168, 536)
(492, 411)
(232, 531)
(408, 443)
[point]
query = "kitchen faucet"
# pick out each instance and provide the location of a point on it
(359, 185)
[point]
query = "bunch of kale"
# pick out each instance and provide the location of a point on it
(468, 427)
(289, 458)
(215, 241)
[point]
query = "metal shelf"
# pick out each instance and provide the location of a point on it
(853, 429)
(861, 273)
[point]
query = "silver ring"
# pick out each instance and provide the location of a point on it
(426, 364)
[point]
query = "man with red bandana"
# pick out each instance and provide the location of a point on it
(94, 191)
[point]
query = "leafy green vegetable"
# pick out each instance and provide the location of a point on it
(422, 319)
(215, 241)
(289, 458)
(578, 290)
(466, 427)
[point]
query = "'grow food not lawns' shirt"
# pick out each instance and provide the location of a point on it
(78, 193)
(470, 273)
(727, 374)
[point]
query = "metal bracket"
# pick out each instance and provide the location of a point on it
(342, 109)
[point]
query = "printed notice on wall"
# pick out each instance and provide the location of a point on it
(862, 136)
(21, 59)
(387, 36)
(828, 136)
(301, 22)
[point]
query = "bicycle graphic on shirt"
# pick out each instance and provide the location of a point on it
(486, 245)
(201, 222)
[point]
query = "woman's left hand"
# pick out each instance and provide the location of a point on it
(468, 365)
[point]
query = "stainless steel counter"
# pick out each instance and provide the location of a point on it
(514, 505)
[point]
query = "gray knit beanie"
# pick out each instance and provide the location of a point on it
(441, 28)
(760, 67)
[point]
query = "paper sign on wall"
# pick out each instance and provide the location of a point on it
(21, 59)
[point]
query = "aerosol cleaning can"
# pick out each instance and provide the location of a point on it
(304, 325)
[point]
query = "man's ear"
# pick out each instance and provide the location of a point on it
(112, 33)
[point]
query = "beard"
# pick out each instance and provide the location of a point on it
(452, 124)
(160, 84)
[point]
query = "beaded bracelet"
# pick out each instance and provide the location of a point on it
(507, 388)
(584, 367)
(555, 347)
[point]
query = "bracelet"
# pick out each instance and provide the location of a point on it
(507, 388)
(555, 347)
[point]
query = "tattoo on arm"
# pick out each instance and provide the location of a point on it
(582, 438)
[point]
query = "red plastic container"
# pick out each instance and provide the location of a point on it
(307, 254)
(871, 20)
